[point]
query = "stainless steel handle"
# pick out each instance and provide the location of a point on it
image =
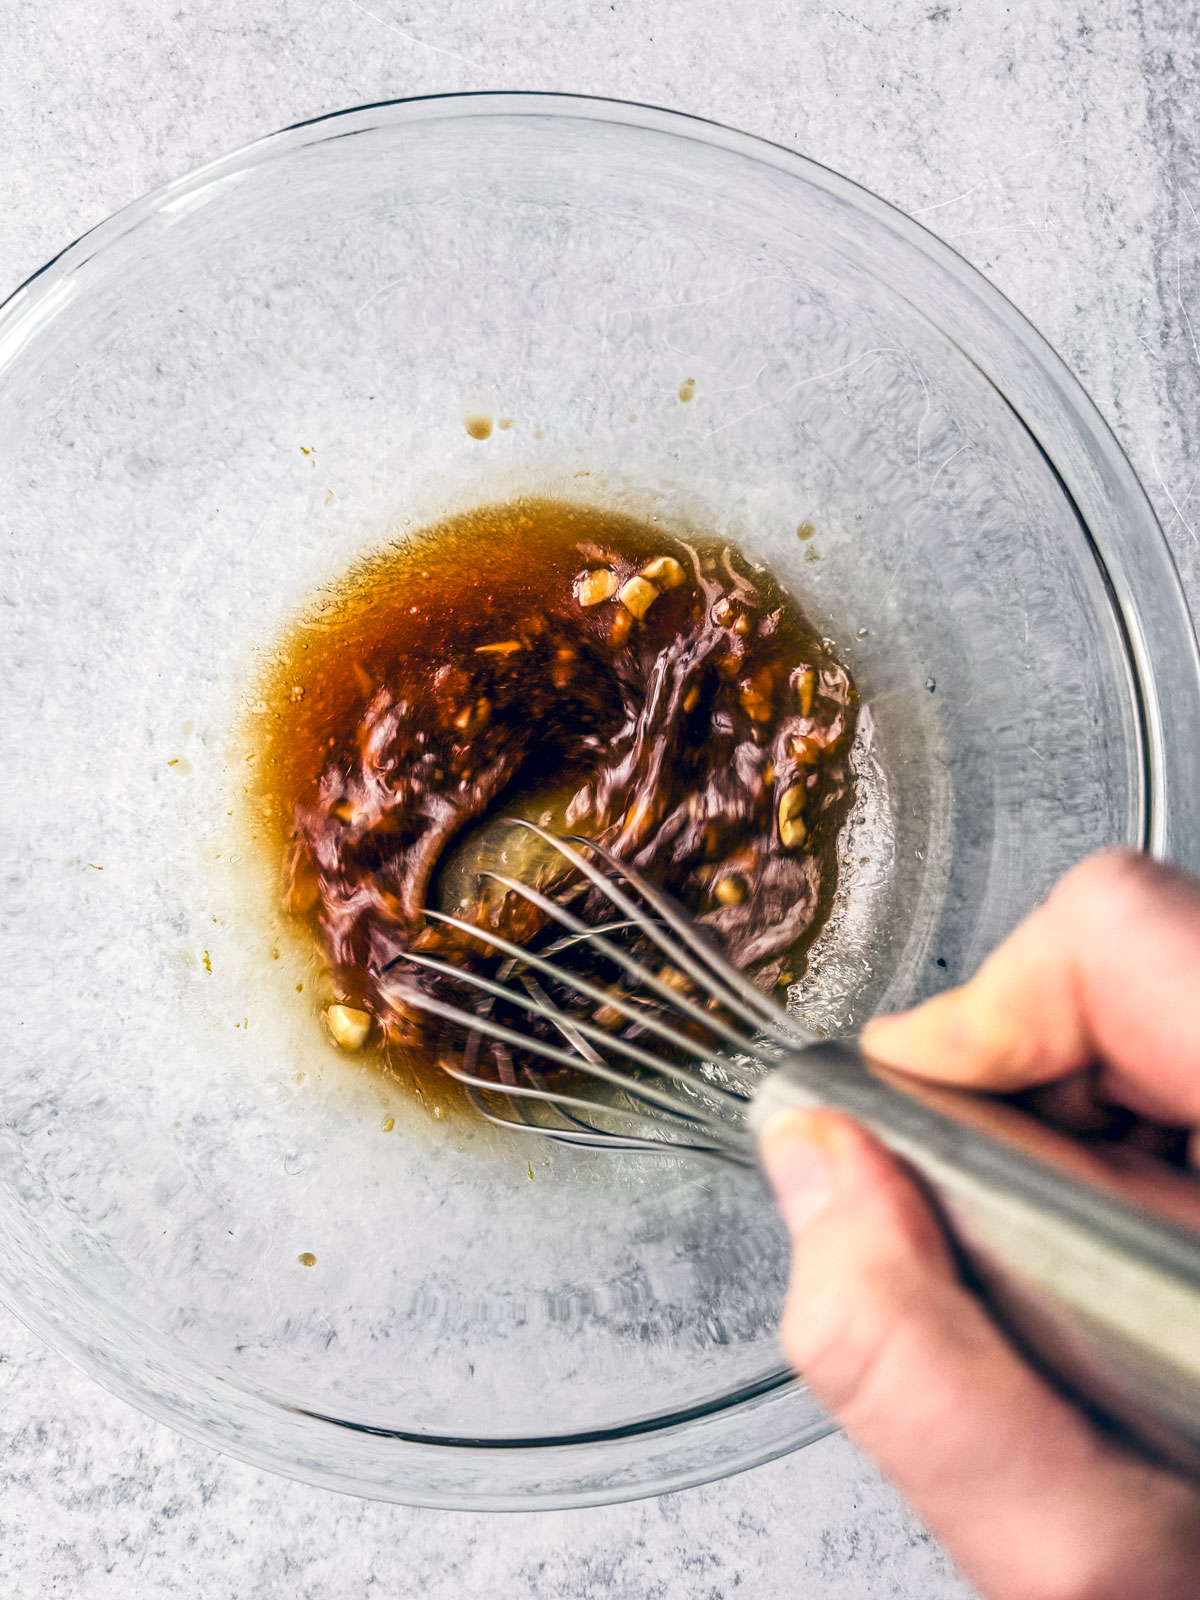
(1094, 1272)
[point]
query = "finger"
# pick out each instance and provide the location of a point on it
(1027, 1496)
(1108, 968)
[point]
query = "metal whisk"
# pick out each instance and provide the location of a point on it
(631, 1031)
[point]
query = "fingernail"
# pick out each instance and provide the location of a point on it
(796, 1160)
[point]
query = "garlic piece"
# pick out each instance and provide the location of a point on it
(804, 749)
(348, 1025)
(596, 586)
(472, 718)
(792, 828)
(638, 595)
(622, 626)
(755, 703)
(665, 571)
(805, 684)
(730, 891)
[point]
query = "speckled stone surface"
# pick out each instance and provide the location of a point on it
(1057, 149)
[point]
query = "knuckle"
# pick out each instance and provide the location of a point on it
(1078, 1581)
(837, 1339)
(1109, 875)
(1118, 889)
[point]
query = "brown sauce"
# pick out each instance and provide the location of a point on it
(573, 666)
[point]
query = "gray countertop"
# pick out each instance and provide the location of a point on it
(1056, 148)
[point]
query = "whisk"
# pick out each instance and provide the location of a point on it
(630, 1031)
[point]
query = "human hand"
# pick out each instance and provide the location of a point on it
(1031, 1500)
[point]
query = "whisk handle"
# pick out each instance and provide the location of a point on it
(1094, 1271)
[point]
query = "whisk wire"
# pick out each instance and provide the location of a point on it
(662, 1103)
(590, 991)
(636, 970)
(589, 1030)
(566, 1105)
(720, 978)
(568, 1027)
(767, 1013)
(497, 1031)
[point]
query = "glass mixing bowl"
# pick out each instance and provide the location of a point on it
(209, 406)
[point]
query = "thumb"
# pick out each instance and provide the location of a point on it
(1024, 1492)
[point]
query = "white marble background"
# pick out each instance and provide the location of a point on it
(1058, 148)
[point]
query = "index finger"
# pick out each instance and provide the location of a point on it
(1107, 969)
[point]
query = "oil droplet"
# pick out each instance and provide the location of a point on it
(687, 389)
(329, 497)
(207, 962)
(299, 988)
(531, 1172)
(388, 1124)
(505, 424)
(539, 433)
(805, 530)
(307, 1259)
(479, 427)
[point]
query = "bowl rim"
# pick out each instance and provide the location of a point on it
(1116, 520)
(1132, 555)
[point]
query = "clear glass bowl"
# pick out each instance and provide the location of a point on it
(208, 407)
